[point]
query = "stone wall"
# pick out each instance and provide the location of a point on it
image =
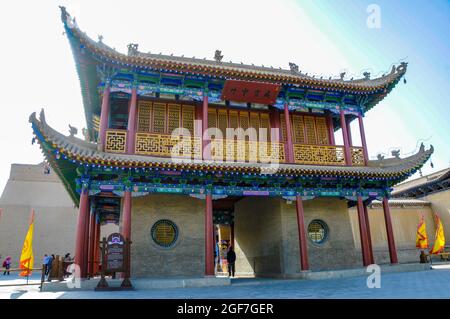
(257, 236)
(336, 252)
(266, 236)
(440, 203)
(187, 256)
(404, 223)
(55, 214)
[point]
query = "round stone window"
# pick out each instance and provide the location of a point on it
(317, 231)
(164, 233)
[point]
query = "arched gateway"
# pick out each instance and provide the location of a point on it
(270, 180)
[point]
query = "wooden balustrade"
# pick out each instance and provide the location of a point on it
(247, 151)
(116, 141)
(180, 146)
(357, 156)
(168, 145)
(319, 154)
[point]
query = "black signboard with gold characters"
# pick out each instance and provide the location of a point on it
(115, 258)
(115, 246)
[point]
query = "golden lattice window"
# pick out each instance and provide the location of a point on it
(164, 233)
(306, 129)
(317, 231)
(162, 118)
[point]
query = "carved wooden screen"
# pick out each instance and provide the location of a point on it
(298, 128)
(144, 114)
(306, 129)
(159, 118)
(162, 118)
(187, 117)
(212, 118)
(310, 129)
(265, 124)
(174, 117)
(234, 119)
(222, 121)
(244, 121)
(322, 131)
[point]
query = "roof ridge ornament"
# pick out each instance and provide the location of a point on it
(66, 18)
(294, 68)
(366, 75)
(402, 67)
(218, 56)
(133, 49)
(42, 116)
(396, 153)
(72, 130)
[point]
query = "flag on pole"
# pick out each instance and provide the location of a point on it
(26, 258)
(439, 240)
(422, 238)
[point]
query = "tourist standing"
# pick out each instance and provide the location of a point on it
(231, 259)
(7, 265)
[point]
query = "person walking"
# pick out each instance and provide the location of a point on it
(231, 259)
(49, 266)
(7, 265)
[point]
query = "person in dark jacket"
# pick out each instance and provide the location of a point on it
(231, 259)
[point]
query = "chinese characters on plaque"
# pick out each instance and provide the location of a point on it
(250, 92)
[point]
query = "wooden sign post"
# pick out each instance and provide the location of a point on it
(115, 258)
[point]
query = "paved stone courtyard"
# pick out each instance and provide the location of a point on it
(432, 284)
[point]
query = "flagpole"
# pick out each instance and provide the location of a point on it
(28, 272)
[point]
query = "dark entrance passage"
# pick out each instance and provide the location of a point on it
(223, 218)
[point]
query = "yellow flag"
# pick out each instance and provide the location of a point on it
(439, 241)
(422, 238)
(26, 258)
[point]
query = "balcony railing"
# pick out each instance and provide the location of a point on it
(116, 141)
(231, 150)
(319, 154)
(168, 145)
(357, 156)
(247, 151)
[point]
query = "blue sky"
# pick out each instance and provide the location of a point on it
(324, 37)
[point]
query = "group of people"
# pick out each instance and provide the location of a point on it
(47, 261)
(231, 259)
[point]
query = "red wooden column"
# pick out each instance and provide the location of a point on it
(304, 265)
(92, 235)
(389, 232)
(104, 115)
(330, 129)
(126, 221)
(209, 237)
(289, 145)
(349, 132)
(126, 217)
(131, 128)
(363, 232)
(86, 243)
(83, 215)
(363, 139)
(96, 247)
(205, 140)
(348, 156)
(369, 236)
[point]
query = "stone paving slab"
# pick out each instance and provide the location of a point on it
(432, 284)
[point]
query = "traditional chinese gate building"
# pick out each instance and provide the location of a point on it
(280, 188)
